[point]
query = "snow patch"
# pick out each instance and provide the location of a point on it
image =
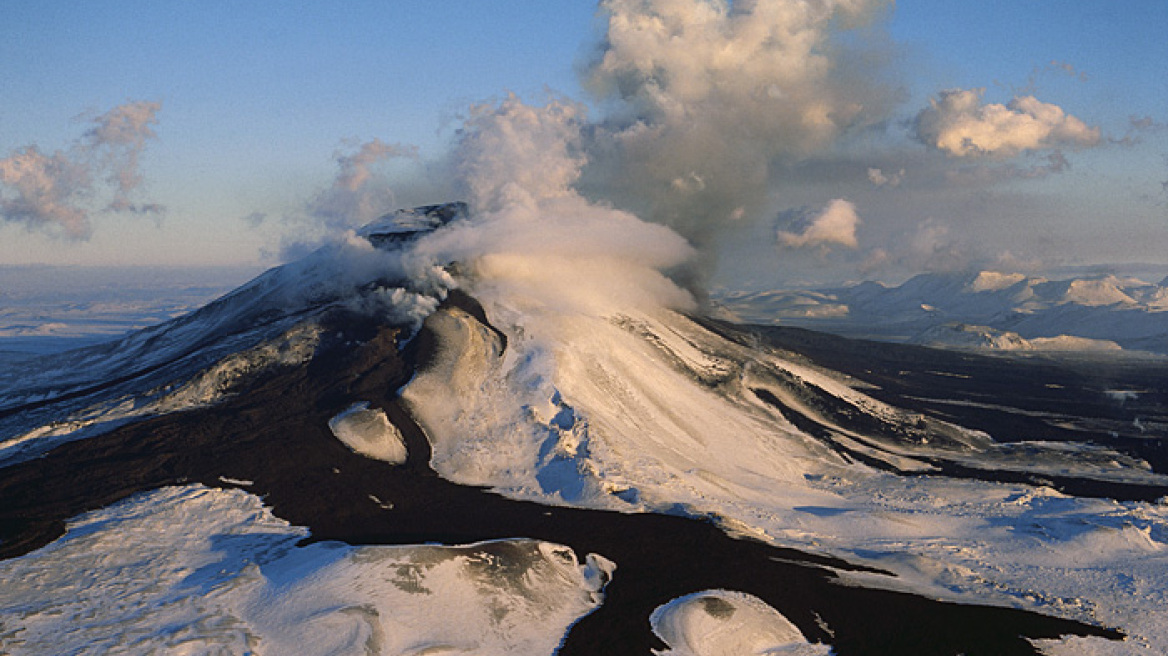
(197, 570)
(369, 433)
(993, 281)
(726, 623)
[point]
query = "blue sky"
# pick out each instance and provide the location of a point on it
(256, 100)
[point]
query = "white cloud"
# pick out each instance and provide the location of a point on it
(117, 139)
(960, 125)
(836, 224)
(48, 189)
(57, 192)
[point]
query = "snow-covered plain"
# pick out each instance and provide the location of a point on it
(590, 387)
(47, 309)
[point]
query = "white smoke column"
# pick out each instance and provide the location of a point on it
(711, 99)
(357, 195)
(517, 155)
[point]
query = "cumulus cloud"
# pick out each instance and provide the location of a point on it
(959, 124)
(835, 225)
(58, 192)
(709, 99)
(358, 194)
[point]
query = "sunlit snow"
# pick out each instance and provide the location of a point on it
(369, 433)
(725, 623)
(197, 571)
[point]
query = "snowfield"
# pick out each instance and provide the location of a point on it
(194, 570)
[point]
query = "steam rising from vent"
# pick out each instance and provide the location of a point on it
(512, 154)
(703, 106)
(705, 102)
(357, 194)
(532, 238)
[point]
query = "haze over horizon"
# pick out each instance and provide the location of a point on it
(787, 140)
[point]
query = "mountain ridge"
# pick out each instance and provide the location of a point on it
(1103, 308)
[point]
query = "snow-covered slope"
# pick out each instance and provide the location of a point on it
(1103, 308)
(196, 358)
(558, 366)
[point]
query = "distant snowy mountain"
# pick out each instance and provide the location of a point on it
(446, 434)
(1009, 311)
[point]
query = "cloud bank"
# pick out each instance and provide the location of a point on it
(57, 193)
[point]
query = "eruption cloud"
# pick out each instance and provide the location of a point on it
(56, 192)
(703, 104)
(711, 100)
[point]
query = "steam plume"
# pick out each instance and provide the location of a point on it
(534, 240)
(711, 99)
(357, 195)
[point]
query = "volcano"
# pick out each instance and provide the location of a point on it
(417, 441)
